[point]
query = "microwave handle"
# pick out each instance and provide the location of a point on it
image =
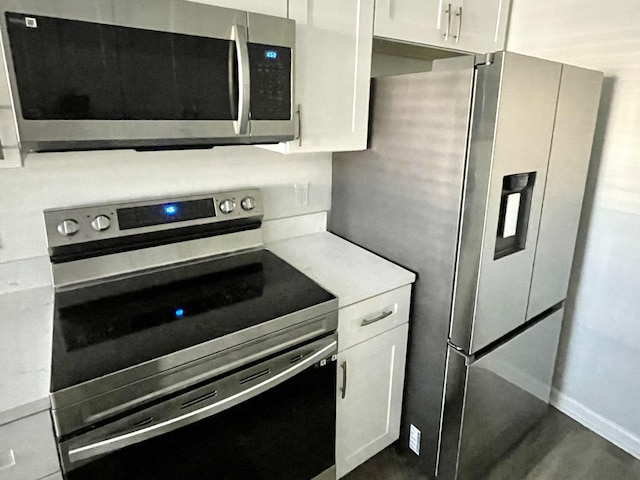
(240, 37)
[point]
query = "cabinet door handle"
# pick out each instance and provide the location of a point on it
(448, 29)
(299, 124)
(459, 15)
(369, 321)
(343, 365)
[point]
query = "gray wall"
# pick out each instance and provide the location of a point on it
(597, 380)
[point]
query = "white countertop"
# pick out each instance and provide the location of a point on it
(26, 317)
(26, 325)
(346, 270)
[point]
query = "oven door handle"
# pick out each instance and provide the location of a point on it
(101, 447)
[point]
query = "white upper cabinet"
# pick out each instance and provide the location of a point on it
(417, 21)
(477, 26)
(332, 74)
(277, 8)
(482, 25)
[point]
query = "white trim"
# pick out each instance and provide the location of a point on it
(607, 429)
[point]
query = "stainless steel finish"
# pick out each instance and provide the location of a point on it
(448, 28)
(566, 177)
(101, 223)
(410, 180)
(240, 37)
(176, 16)
(181, 411)
(84, 214)
(459, 15)
(434, 171)
(493, 401)
(227, 206)
(369, 321)
(92, 270)
(67, 228)
(248, 203)
(328, 474)
(505, 141)
(113, 394)
(343, 389)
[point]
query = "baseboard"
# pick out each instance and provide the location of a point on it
(607, 429)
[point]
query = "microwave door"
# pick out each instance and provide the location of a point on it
(118, 77)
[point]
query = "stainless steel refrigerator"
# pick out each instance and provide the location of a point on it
(474, 179)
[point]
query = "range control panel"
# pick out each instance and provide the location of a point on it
(101, 222)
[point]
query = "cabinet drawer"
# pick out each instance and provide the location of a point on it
(27, 448)
(366, 319)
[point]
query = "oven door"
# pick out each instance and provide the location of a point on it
(274, 420)
(149, 73)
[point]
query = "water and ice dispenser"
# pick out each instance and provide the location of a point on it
(515, 207)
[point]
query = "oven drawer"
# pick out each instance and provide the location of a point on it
(366, 319)
(27, 448)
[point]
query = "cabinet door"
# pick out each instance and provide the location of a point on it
(368, 412)
(419, 21)
(480, 26)
(332, 71)
(27, 448)
(277, 8)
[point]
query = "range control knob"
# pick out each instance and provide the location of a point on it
(68, 227)
(248, 203)
(101, 223)
(227, 206)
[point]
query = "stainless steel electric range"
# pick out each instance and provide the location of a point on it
(183, 349)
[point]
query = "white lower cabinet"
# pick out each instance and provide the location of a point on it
(369, 402)
(28, 449)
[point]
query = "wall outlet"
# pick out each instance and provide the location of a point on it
(301, 191)
(414, 439)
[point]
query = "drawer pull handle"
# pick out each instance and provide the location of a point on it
(344, 379)
(7, 459)
(369, 321)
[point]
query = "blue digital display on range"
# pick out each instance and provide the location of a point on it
(272, 54)
(170, 209)
(179, 312)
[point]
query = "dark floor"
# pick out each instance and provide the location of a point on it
(557, 449)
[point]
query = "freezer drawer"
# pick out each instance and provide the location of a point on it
(492, 401)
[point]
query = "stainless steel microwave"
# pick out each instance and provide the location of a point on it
(106, 74)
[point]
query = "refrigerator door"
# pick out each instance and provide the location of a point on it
(401, 199)
(568, 164)
(492, 402)
(513, 117)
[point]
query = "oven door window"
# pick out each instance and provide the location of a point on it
(285, 433)
(76, 70)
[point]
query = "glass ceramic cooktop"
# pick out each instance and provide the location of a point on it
(112, 326)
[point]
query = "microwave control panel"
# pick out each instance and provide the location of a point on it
(270, 82)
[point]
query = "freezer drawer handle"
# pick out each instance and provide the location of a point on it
(343, 389)
(383, 315)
